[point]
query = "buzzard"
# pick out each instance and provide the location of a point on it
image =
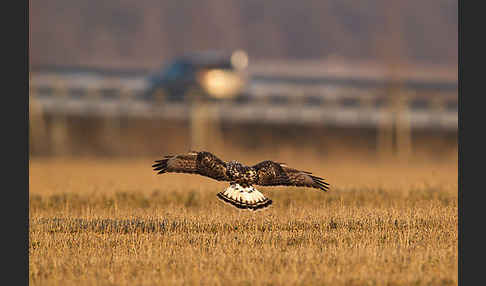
(241, 192)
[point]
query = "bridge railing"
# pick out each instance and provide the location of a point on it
(392, 111)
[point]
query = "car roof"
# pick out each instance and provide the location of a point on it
(208, 59)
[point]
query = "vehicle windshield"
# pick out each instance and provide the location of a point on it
(175, 70)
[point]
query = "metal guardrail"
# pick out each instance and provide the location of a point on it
(261, 110)
(329, 102)
(393, 111)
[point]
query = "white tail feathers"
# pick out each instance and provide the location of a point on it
(244, 197)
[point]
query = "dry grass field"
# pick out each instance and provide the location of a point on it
(114, 222)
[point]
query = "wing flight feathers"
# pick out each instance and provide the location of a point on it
(272, 174)
(201, 163)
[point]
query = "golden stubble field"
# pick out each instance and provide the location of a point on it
(113, 222)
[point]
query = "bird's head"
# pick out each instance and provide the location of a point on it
(234, 168)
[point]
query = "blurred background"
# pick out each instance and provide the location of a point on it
(374, 79)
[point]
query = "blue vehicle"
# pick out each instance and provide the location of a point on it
(210, 74)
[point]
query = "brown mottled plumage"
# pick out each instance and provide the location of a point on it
(266, 173)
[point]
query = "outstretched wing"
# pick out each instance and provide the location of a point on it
(201, 163)
(273, 174)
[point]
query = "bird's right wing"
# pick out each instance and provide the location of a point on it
(304, 179)
(201, 163)
(274, 174)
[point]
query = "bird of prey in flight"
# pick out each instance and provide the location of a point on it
(241, 192)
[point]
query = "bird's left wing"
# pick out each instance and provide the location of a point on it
(201, 163)
(272, 174)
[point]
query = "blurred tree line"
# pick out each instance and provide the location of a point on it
(147, 33)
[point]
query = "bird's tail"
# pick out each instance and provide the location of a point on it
(244, 197)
